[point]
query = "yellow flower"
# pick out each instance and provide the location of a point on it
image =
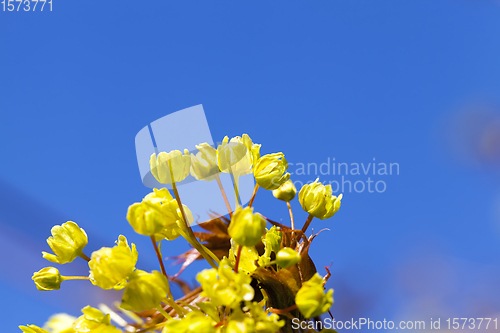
(269, 172)
(264, 322)
(204, 164)
(94, 321)
(32, 329)
(246, 228)
(224, 286)
(110, 267)
(317, 200)
(146, 218)
(67, 242)
(166, 164)
(161, 196)
(144, 291)
(311, 298)
(238, 155)
(287, 257)
(193, 322)
(286, 192)
(47, 279)
(272, 243)
(60, 323)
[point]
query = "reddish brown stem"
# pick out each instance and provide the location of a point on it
(84, 257)
(255, 189)
(228, 206)
(237, 261)
(283, 311)
(158, 254)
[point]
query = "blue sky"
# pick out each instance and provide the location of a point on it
(350, 80)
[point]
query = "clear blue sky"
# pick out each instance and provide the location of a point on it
(350, 80)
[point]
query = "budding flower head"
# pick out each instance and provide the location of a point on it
(269, 172)
(317, 200)
(246, 228)
(287, 257)
(60, 323)
(47, 279)
(94, 320)
(193, 322)
(311, 298)
(67, 243)
(238, 155)
(32, 329)
(110, 267)
(167, 164)
(204, 164)
(146, 217)
(224, 286)
(286, 192)
(144, 291)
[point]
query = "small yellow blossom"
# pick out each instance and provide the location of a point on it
(287, 257)
(167, 164)
(193, 322)
(238, 155)
(67, 243)
(144, 291)
(47, 279)
(246, 228)
(286, 192)
(204, 164)
(317, 200)
(311, 298)
(32, 329)
(110, 267)
(94, 321)
(60, 323)
(269, 172)
(224, 286)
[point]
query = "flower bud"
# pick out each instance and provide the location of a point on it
(60, 323)
(286, 192)
(204, 164)
(311, 298)
(110, 267)
(287, 257)
(146, 218)
(168, 164)
(246, 228)
(32, 329)
(317, 200)
(161, 196)
(94, 320)
(269, 172)
(224, 286)
(67, 243)
(238, 155)
(193, 322)
(144, 291)
(47, 279)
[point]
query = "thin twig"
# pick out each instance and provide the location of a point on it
(255, 189)
(228, 206)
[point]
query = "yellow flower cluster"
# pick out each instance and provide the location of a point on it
(259, 278)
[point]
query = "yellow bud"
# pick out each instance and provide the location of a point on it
(67, 243)
(224, 286)
(246, 228)
(311, 298)
(287, 257)
(204, 163)
(32, 329)
(167, 164)
(286, 192)
(146, 218)
(94, 320)
(110, 267)
(238, 155)
(159, 196)
(144, 291)
(47, 279)
(193, 322)
(317, 200)
(60, 323)
(269, 172)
